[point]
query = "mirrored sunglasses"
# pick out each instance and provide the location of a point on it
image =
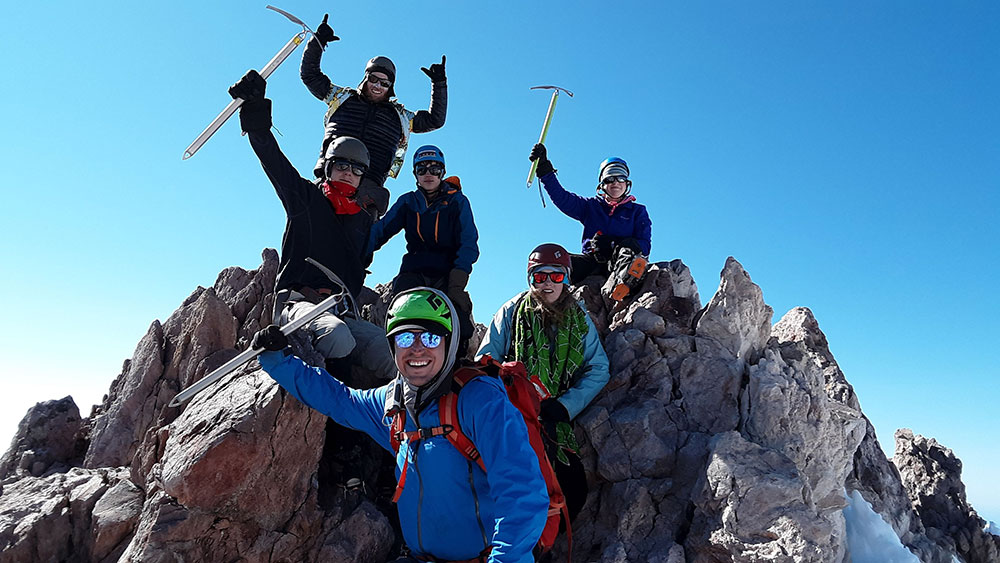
(539, 277)
(428, 339)
(612, 179)
(376, 81)
(434, 169)
(355, 169)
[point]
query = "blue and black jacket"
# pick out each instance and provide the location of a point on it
(628, 220)
(449, 509)
(441, 234)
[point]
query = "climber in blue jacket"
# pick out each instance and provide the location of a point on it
(616, 229)
(442, 242)
(449, 508)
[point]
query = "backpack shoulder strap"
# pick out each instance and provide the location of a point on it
(448, 411)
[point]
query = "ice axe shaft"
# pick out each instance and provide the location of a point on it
(252, 353)
(545, 126)
(265, 72)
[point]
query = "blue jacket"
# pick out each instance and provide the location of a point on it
(585, 385)
(440, 513)
(628, 220)
(439, 237)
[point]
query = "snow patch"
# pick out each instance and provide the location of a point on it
(869, 538)
(992, 528)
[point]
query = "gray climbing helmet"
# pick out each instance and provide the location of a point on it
(345, 149)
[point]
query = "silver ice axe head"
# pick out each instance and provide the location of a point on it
(545, 128)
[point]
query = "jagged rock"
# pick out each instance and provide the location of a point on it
(115, 516)
(718, 438)
(787, 409)
(50, 437)
(800, 326)
(749, 507)
(932, 475)
(50, 518)
(243, 449)
(736, 317)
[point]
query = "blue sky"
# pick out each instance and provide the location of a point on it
(846, 154)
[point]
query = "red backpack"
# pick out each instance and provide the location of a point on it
(524, 396)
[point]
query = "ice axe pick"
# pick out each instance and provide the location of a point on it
(264, 73)
(545, 127)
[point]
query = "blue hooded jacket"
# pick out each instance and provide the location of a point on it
(440, 236)
(441, 513)
(628, 220)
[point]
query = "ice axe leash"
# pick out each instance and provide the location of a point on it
(251, 353)
(264, 72)
(545, 130)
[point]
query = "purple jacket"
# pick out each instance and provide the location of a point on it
(628, 220)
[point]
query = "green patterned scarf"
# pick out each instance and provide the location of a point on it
(553, 359)
(554, 356)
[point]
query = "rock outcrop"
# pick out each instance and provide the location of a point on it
(718, 438)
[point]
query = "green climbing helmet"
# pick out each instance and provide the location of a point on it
(418, 309)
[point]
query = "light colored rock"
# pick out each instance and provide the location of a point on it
(737, 317)
(749, 507)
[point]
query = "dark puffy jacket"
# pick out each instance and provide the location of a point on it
(439, 236)
(312, 228)
(378, 125)
(628, 220)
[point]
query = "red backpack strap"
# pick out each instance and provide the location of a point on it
(397, 435)
(448, 412)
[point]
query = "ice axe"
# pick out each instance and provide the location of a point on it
(251, 353)
(264, 73)
(545, 128)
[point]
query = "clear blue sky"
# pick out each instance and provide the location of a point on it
(846, 154)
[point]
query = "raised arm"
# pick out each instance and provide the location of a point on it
(433, 117)
(255, 120)
(570, 204)
(319, 84)
(388, 226)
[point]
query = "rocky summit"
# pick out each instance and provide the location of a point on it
(722, 436)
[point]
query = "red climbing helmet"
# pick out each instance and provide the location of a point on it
(548, 254)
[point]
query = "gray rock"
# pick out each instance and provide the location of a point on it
(737, 317)
(931, 475)
(749, 507)
(51, 436)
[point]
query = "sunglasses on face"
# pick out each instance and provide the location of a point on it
(354, 168)
(428, 339)
(612, 179)
(435, 169)
(376, 81)
(538, 278)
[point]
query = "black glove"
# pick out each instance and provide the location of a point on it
(552, 412)
(457, 280)
(600, 246)
(251, 87)
(255, 113)
(436, 72)
(539, 153)
(631, 244)
(270, 338)
(324, 33)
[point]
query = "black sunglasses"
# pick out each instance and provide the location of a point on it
(343, 165)
(435, 169)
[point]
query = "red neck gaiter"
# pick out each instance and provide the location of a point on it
(340, 194)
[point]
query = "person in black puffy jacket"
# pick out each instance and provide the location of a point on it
(371, 113)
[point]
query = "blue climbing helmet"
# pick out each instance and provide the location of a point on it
(613, 166)
(428, 153)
